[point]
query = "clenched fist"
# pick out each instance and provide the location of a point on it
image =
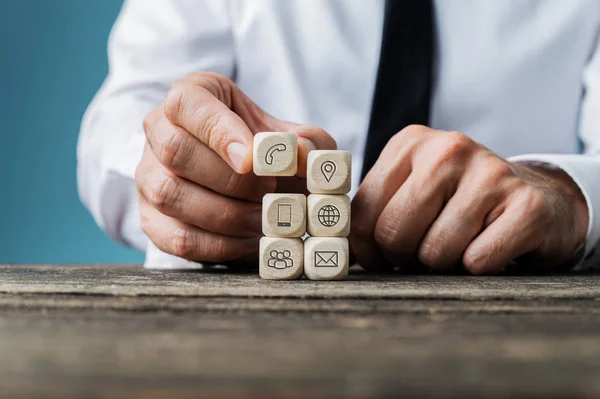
(440, 199)
(198, 198)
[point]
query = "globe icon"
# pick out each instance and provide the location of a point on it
(329, 215)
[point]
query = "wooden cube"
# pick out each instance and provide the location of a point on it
(281, 258)
(275, 154)
(326, 258)
(284, 215)
(329, 172)
(328, 215)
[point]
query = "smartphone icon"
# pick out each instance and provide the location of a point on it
(284, 215)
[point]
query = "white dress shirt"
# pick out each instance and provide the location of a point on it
(521, 77)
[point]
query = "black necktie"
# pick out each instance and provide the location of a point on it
(405, 74)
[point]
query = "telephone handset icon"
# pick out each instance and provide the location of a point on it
(270, 155)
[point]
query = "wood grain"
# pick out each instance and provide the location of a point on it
(135, 281)
(98, 331)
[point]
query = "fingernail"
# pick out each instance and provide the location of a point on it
(237, 153)
(308, 144)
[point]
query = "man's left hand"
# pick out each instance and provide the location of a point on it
(440, 199)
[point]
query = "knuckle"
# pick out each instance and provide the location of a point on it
(533, 202)
(174, 102)
(457, 139)
(397, 140)
(413, 131)
(218, 85)
(234, 186)
(324, 139)
(196, 78)
(147, 123)
(211, 132)
(501, 168)
(328, 140)
(453, 148)
(150, 123)
(229, 215)
(219, 249)
(386, 236)
(409, 135)
(169, 150)
(164, 192)
(495, 171)
(206, 78)
(474, 263)
(142, 169)
(213, 249)
(430, 254)
(181, 243)
(139, 172)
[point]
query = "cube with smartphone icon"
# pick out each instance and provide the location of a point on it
(284, 215)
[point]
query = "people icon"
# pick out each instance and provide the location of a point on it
(280, 259)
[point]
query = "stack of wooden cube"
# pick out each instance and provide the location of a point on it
(325, 214)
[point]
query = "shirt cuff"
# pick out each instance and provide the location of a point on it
(584, 170)
(157, 259)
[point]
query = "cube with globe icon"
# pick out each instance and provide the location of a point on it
(325, 213)
(328, 215)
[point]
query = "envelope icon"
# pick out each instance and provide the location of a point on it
(326, 259)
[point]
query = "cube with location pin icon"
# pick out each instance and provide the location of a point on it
(329, 172)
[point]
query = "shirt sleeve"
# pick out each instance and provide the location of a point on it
(584, 168)
(152, 45)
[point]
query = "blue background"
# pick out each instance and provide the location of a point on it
(53, 59)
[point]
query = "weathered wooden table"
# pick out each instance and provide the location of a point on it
(123, 331)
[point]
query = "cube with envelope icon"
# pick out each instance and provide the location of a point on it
(326, 258)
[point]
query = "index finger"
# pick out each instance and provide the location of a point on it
(311, 138)
(195, 109)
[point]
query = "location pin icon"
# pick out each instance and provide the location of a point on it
(328, 169)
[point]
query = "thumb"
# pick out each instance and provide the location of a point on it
(219, 114)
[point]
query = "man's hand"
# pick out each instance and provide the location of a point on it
(440, 199)
(198, 199)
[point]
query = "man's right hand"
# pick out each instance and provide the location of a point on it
(198, 198)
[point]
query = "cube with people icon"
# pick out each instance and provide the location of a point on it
(287, 217)
(281, 258)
